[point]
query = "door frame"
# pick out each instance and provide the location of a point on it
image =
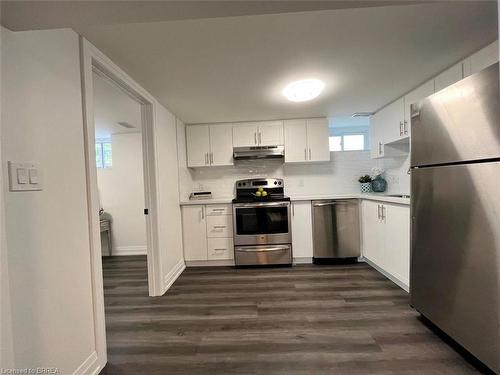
(93, 60)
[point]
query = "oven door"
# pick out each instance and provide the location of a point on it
(262, 223)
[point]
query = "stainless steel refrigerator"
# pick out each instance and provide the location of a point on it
(455, 208)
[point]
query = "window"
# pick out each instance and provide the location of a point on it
(103, 154)
(347, 142)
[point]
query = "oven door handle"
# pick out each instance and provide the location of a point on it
(261, 204)
(261, 249)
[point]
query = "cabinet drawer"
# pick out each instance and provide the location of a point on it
(220, 248)
(219, 209)
(219, 226)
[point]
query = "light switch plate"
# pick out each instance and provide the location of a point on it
(24, 176)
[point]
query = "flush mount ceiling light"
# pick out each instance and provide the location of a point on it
(303, 90)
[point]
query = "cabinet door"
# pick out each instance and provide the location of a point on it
(412, 97)
(295, 141)
(484, 58)
(318, 144)
(194, 231)
(397, 241)
(198, 145)
(245, 134)
(448, 77)
(302, 243)
(371, 236)
(393, 118)
(221, 144)
(270, 133)
(377, 135)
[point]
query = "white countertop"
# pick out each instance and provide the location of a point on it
(381, 197)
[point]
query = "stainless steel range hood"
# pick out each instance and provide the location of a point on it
(259, 152)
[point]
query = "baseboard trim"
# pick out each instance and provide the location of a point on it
(210, 263)
(174, 273)
(89, 367)
(302, 260)
(130, 250)
(393, 278)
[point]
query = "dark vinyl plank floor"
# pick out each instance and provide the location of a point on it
(345, 319)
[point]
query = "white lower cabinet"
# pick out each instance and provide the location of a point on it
(302, 243)
(194, 232)
(386, 238)
(207, 232)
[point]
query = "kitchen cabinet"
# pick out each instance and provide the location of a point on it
(265, 133)
(194, 232)
(307, 140)
(209, 145)
(481, 59)
(393, 118)
(207, 232)
(448, 77)
(302, 242)
(377, 140)
(198, 145)
(386, 238)
(412, 97)
(270, 133)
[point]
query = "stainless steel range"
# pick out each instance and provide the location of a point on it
(262, 224)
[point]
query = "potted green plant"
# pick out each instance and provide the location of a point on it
(366, 183)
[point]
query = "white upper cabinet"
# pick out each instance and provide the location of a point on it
(266, 133)
(209, 145)
(393, 118)
(295, 141)
(412, 97)
(482, 59)
(377, 141)
(448, 77)
(270, 133)
(306, 140)
(198, 145)
(318, 139)
(221, 144)
(245, 134)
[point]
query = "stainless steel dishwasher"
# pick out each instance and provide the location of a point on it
(336, 232)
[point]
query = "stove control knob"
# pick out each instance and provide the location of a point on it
(276, 182)
(279, 183)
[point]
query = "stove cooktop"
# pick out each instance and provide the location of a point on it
(246, 190)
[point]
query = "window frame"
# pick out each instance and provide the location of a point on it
(341, 132)
(103, 164)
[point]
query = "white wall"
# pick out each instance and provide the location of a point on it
(169, 215)
(47, 231)
(121, 190)
(6, 348)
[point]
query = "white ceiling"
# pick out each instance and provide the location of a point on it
(233, 69)
(112, 105)
(42, 14)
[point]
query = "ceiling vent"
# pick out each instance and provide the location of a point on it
(126, 125)
(362, 114)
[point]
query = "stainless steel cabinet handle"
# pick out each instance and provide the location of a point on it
(219, 226)
(405, 127)
(202, 213)
(380, 148)
(260, 249)
(309, 153)
(220, 249)
(211, 158)
(378, 211)
(255, 137)
(218, 209)
(401, 128)
(384, 210)
(260, 138)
